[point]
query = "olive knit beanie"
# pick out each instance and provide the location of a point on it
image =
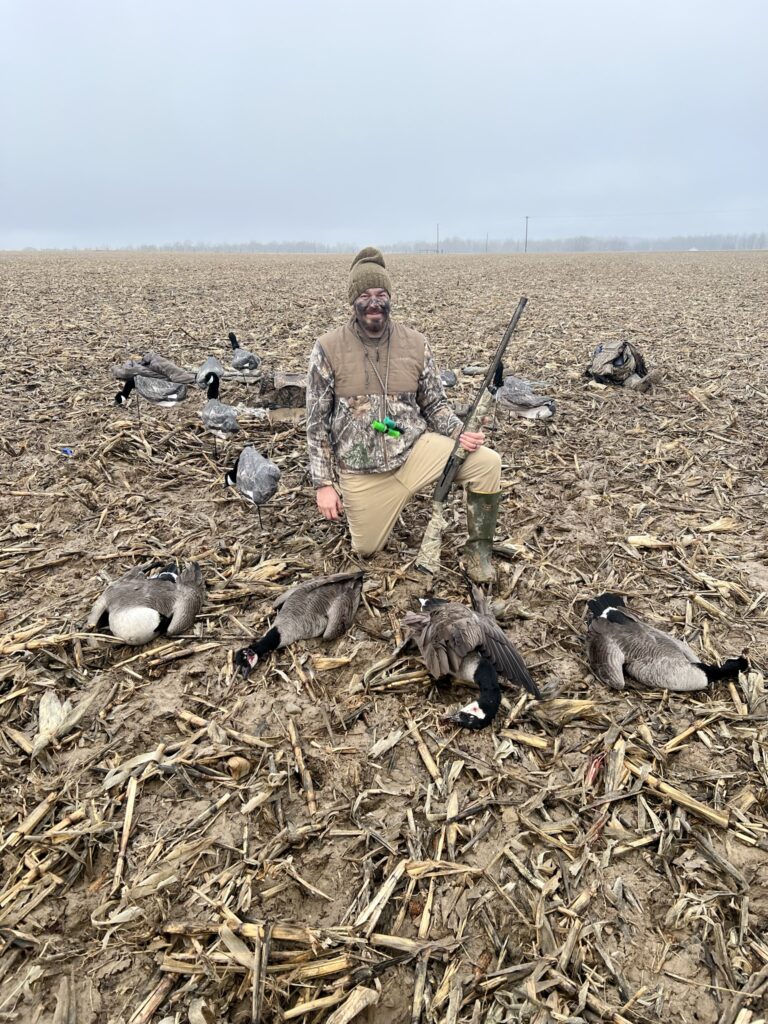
(368, 271)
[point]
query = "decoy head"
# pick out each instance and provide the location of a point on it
(122, 396)
(429, 604)
(233, 340)
(230, 477)
(212, 381)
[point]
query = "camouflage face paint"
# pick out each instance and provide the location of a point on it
(372, 311)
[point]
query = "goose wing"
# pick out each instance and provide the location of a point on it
(104, 602)
(605, 657)
(667, 640)
(647, 655)
(100, 608)
(451, 633)
(318, 583)
(342, 611)
(505, 657)
(322, 607)
(149, 593)
(189, 598)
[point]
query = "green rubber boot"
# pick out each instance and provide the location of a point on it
(482, 510)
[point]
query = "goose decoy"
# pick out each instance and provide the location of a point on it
(211, 365)
(255, 477)
(622, 649)
(139, 606)
(448, 377)
(516, 395)
(322, 607)
(242, 359)
(156, 390)
(468, 644)
(219, 419)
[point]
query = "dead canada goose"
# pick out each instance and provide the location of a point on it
(255, 477)
(218, 418)
(139, 606)
(321, 607)
(242, 359)
(156, 390)
(468, 644)
(623, 649)
(516, 395)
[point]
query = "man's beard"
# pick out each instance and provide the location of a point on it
(363, 309)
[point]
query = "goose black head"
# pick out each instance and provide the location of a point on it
(212, 380)
(246, 660)
(472, 716)
(498, 378)
(169, 572)
(233, 341)
(429, 604)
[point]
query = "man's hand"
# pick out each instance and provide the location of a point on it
(470, 441)
(329, 502)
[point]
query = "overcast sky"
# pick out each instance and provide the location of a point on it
(150, 121)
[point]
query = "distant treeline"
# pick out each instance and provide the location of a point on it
(585, 243)
(580, 243)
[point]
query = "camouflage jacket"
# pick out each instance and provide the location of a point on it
(354, 381)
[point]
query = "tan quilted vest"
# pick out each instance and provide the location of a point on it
(356, 362)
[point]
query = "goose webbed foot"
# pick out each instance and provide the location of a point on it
(245, 660)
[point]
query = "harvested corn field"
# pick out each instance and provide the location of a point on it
(314, 844)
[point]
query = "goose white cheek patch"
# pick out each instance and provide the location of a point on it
(474, 709)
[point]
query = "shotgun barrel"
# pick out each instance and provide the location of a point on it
(428, 558)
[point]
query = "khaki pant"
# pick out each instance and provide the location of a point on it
(373, 501)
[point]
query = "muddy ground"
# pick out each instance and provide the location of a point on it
(536, 871)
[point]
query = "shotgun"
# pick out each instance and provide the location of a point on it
(428, 558)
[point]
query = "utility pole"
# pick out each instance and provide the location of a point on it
(526, 234)
(437, 241)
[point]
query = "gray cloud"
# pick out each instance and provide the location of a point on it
(148, 122)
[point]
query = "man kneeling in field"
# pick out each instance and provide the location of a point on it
(379, 427)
